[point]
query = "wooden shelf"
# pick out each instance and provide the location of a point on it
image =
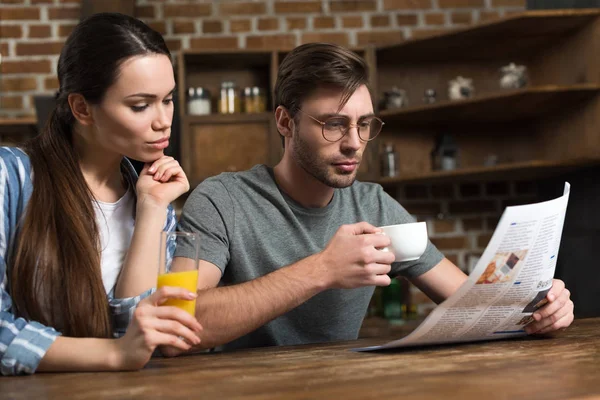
(505, 106)
(520, 170)
(530, 31)
(25, 121)
(229, 118)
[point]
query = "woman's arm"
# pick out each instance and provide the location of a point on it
(151, 326)
(158, 185)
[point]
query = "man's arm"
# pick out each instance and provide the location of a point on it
(350, 260)
(441, 281)
(445, 278)
(233, 311)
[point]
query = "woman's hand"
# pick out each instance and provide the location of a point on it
(153, 325)
(161, 182)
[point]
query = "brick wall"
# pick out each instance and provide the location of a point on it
(32, 31)
(461, 218)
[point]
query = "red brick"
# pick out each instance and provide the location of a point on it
(463, 18)
(65, 30)
(214, 43)
(407, 4)
(51, 83)
(187, 10)
(404, 20)
(268, 24)
(416, 192)
(471, 206)
(453, 258)
(183, 27)
(12, 1)
(470, 190)
(352, 5)
(460, 3)
(337, 38)
(17, 84)
(40, 31)
(423, 33)
(488, 15)
(173, 44)
(323, 23)
(303, 7)
(386, 37)
(4, 49)
(378, 21)
(144, 12)
(442, 191)
(159, 26)
(497, 188)
(242, 8)
(508, 3)
(7, 14)
(26, 67)
(271, 42)
(11, 102)
(435, 19)
(38, 49)
(42, 1)
(452, 243)
(353, 21)
(212, 27)
(64, 13)
(10, 31)
(423, 208)
(70, 1)
(240, 25)
(483, 240)
(472, 224)
(444, 225)
(296, 23)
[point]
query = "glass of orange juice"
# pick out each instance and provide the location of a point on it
(178, 265)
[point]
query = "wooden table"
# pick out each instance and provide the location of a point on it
(566, 366)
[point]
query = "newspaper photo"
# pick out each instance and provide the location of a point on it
(509, 282)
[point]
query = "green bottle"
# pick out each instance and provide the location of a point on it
(392, 302)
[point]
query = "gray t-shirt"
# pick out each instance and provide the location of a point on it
(248, 228)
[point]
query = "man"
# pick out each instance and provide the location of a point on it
(291, 255)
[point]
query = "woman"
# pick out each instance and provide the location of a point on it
(79, 230)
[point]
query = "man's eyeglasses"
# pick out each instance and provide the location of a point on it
(335, 128)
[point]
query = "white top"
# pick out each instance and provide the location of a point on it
(115, 225)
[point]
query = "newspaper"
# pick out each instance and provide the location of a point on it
(507, 285)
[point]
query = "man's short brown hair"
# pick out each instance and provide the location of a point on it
(314, 65)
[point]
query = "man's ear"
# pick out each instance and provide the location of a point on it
(81, 109)
(285, 123)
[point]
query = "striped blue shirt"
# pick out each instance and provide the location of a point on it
(23, 343)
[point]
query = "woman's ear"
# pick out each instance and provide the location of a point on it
(80, 108)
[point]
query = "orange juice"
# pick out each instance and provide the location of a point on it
(187, 280)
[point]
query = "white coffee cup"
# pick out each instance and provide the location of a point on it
(408, 240)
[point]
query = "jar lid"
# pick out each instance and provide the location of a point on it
(198, 92)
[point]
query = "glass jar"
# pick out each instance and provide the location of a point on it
(389, 162)
(248, 103)
(255, 100)
(229, 100)
(198, 101)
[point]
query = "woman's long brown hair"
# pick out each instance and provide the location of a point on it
(55, 276)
